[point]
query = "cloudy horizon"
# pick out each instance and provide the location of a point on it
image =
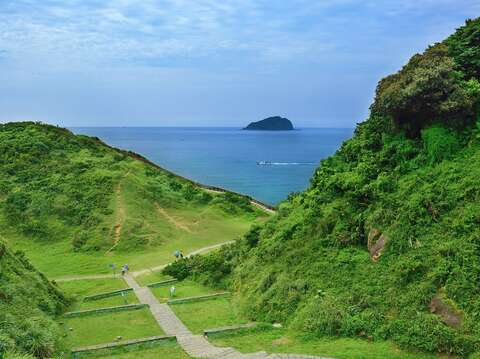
(208, 63)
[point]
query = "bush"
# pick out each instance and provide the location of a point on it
(321, 316)
(440, 143)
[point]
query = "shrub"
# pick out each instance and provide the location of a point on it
(440, 143)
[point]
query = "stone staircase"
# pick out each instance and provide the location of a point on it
(196, 346)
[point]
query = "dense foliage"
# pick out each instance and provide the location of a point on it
(28, 304)
(386, 241)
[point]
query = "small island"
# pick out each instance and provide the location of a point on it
(275, 123)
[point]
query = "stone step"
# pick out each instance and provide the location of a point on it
(194, 345)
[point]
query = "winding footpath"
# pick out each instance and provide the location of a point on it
(142, 271)
(195, 346)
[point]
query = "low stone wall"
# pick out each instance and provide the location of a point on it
(295, 356)
(162, 283)
(119, 308)
(230, 328)
(106, 294)
(124, 343)
(197, 299)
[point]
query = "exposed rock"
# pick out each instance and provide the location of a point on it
(448, 314)
(376, 243)
(276, 123)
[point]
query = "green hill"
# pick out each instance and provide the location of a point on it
(75, 205)
(28, 304)
(385, 243)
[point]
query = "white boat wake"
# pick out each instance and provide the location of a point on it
(269, 163)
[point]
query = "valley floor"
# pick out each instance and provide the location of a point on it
(187, 321)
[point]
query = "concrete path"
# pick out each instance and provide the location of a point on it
(142, 271)
(195, 252)
(196, 346)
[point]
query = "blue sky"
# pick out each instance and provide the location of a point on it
(208, 62)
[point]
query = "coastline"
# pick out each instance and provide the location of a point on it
(266, 207)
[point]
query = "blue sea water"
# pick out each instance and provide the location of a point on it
(227, 157)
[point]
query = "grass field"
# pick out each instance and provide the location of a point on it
(151, 277)
(82, 288)
(78, 289)
(182, 290)
(274, 340)
(207, 314)
(210, 228)
(168, 349)
(104, 328)
(128, 298)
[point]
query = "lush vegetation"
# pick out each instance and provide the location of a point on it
(385, 244)
(28, 306)
(89, 205)
(73, 205)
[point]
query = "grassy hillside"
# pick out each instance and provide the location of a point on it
(28, 304)
(385, 244)
(75, 205)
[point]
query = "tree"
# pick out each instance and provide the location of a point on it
(464, 47)
(427, 90)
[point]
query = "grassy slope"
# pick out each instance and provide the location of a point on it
(28, 304)
(88, 205)
(274, 340)
(410, 173)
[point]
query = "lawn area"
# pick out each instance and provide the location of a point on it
(274, 340)
(105, 327)
(82, 288)
(208, 227)
(128, 298)
(167, 349)
(207, 314)
(182, 290)
(151, 277)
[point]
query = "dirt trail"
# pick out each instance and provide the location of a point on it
(121, 214)
(172, 220)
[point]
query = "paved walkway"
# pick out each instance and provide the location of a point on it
(139, 272)
(195, 252)
(194, 345)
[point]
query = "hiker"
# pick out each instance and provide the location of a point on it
(177, 254)
(172, 291)
(125, 269)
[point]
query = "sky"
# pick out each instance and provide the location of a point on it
(209, 62)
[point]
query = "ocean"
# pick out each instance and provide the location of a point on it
(265, 165)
